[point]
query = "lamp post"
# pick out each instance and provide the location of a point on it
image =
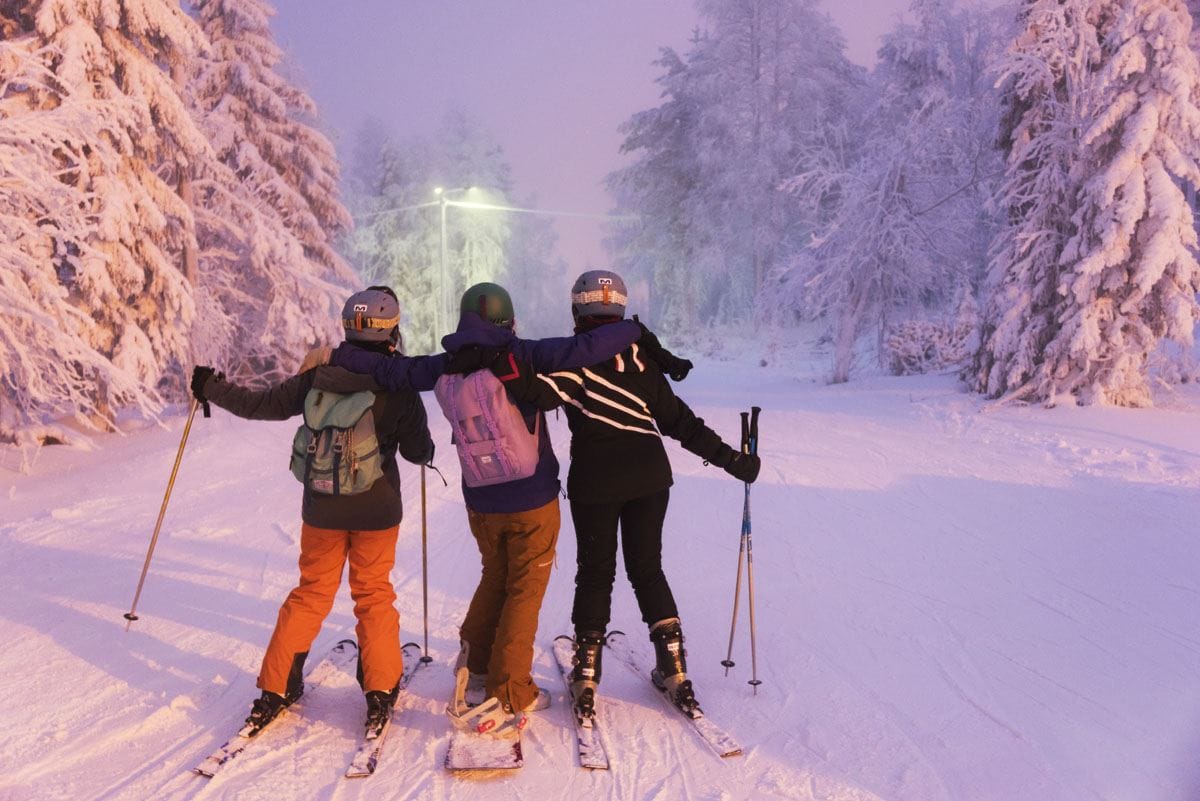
(442, 304)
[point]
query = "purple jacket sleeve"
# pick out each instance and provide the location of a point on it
(395, 373)
(581, 350)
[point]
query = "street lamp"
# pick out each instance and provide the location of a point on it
(443, 305)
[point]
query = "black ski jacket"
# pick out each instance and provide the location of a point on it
(400, 424)
(616, 411)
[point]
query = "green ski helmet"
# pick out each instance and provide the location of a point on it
(489, 301)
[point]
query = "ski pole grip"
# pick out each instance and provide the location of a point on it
(754, 410)
(745, 432)
(207, 410)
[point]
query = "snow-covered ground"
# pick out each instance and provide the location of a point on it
(954, 603)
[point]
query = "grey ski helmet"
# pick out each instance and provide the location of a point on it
(598, 293)
(372, 315)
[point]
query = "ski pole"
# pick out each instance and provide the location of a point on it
(728, 662)
(754, 680)
(131, 615)
(425, 657)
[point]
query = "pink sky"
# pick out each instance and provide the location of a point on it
(551, 79)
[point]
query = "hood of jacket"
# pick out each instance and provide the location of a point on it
(474, 330)
(336, 379)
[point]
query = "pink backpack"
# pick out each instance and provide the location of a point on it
(494, 444)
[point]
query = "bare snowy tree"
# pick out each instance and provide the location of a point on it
(759, 86)
(910, 223)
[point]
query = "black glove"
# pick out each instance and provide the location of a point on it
(671, 364)
(200, 375)
(522, 382)
(472, 358)
(677, 368)
(744, 467)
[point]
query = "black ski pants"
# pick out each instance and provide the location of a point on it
(641, 523)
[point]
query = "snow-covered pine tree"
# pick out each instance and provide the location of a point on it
(659, 239)
(1130, 274)
(50, 366)
(1099, 262)
(123, 273)
(267, 223)
(1042, 77)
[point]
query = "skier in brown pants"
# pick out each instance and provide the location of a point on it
(343, 523)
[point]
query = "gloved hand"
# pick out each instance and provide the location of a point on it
(432, 448)
(522, 383)
(315, 358)
(200, 376)
(744, 467)
(472, 358)
(671, 364)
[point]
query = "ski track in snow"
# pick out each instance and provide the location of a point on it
(954, 602)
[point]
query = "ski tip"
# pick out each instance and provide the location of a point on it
(613, 633)
(564, 637)
(342, 645)
(416, 645)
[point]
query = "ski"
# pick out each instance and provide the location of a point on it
(341, 656)
(716, 737)
(370, 747)
(471, 751)
(592, 753)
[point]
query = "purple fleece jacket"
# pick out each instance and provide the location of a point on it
(544, 355)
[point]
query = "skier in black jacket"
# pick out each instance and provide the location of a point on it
(620, 476)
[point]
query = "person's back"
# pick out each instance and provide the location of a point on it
(620, 477)
(360, 527)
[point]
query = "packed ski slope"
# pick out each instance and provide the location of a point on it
(955, 603)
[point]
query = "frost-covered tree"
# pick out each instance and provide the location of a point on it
(659, 240)
(910, 223)
(399, 213)
(761, 84)
(268, 272)
(1083, 297)
(50, 365)
(123, 271)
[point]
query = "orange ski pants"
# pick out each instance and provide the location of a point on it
(323, 554)
(517, 550)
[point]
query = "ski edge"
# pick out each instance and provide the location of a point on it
(342, 653)
(719, 740)
(366, 758)
(593, 753)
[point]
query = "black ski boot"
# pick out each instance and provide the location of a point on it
(268, 705)
(379, 711)
(585, 678)
(670, 671)
(264, 710)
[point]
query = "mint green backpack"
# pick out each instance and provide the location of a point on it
(336, 449)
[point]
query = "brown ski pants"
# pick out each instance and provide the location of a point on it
(323, 554)
(517, 550)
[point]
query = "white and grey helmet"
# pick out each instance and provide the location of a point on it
(372, 315)
(598, 293)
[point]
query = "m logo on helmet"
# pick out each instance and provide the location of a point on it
(360, 307)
